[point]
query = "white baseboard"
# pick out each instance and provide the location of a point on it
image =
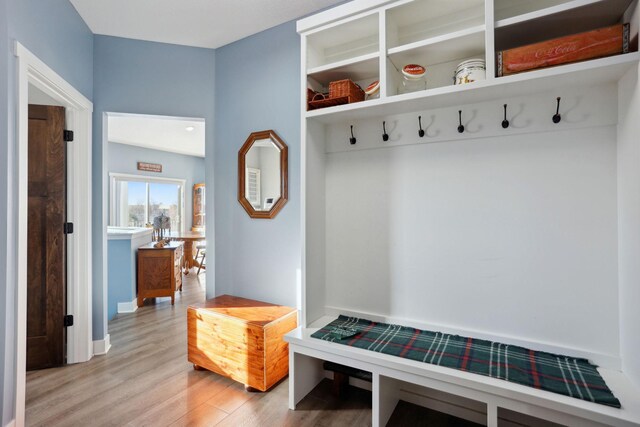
(11, 423)
(609, 361)
(128, 307)
(103, 346)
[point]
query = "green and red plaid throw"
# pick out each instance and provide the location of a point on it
(545, 371)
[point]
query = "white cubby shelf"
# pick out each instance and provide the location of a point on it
(526, 236)
(586, 73)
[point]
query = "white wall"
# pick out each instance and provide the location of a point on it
(629, 222)
(511, 236)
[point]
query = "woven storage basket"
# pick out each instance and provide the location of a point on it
(346, 88)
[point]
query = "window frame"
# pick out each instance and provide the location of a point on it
(114, 177)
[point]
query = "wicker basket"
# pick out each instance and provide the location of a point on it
(346, 88)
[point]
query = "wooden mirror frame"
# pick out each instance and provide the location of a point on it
(284, 174)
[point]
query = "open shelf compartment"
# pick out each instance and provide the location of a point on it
(427, 19)
(565, 18)
(346, 42)
(361, 68)
(440, 55)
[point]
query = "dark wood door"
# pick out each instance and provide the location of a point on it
(46, 262)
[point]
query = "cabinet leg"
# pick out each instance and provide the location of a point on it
(140, 302)
(173, 299)
(340, 384)
(198, 368)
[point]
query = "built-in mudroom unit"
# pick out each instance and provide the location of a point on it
(499, 205)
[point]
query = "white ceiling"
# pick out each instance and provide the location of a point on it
(158, 133)
(201, 23)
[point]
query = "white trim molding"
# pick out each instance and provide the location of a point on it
(128, 307)
(101, 347)
(32, 71)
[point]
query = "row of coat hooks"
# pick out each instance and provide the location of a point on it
(505, 123)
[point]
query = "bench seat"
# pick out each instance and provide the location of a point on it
(390, 373)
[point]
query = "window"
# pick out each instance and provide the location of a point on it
(136, 200)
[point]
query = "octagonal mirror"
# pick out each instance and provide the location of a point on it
(262, 174)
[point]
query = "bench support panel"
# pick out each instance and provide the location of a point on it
(305, 373)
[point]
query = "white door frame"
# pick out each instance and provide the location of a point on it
(79, 112)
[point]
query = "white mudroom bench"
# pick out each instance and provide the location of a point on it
(395, 379)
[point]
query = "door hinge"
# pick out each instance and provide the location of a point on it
(68, 228)
(68, 320)
(68, 135)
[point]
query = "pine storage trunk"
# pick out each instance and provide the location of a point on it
(241, 339)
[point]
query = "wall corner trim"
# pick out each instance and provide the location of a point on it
(101, 347)
(128, 307)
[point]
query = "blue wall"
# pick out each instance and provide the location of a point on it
(124, 159)
(133, 76)
(54, 32)
(257, 88)
(121, 275)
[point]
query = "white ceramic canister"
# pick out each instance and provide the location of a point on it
(470, 71)
(373, 90)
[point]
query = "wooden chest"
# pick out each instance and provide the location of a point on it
(241, 339)
(565, 50)
(159, 271)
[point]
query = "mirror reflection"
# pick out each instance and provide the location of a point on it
(262, 175)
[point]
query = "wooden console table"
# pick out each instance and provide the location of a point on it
(241, 339)
(159, 272)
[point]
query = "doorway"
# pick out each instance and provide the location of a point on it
(35, 77)
(155, 169)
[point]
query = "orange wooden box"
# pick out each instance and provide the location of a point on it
(241, 339)
(565, 50)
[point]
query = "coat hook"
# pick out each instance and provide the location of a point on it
(556, 116)
(420, 132)
(505, 122)
(352, 140)
(460, 127)
(385, 137)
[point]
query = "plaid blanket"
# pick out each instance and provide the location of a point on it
(545, 371)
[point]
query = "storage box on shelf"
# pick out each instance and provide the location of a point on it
(592, 44)
(566, 18)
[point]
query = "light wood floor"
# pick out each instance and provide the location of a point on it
(146, 380)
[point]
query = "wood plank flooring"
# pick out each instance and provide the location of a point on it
(146, 380)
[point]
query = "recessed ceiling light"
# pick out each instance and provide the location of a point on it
(189, 128)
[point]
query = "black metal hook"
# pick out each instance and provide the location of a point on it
(352, 140)
(460, 127)
(505, 122)
(556, 117)
(385, 137)
(420, 132)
